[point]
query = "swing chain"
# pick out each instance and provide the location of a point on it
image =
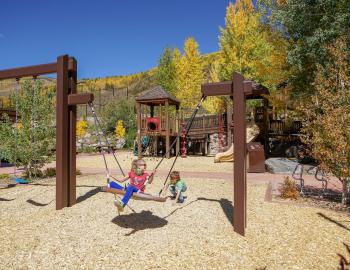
(17, 89)
(188, 127)
(99, 127)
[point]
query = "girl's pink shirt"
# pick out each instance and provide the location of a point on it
(138, 181)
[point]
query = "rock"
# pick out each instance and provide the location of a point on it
(280, 165)
(120, 143)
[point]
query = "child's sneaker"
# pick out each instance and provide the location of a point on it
(119, 204)
(181, 200)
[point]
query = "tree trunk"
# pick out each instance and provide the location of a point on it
(346, 191)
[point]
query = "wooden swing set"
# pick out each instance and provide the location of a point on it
(239, 90)
(66, 115)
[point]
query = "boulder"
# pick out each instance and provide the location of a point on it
(280, 165)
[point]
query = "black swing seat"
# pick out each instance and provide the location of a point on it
(135, 196)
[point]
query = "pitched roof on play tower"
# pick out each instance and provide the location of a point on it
(157, 95)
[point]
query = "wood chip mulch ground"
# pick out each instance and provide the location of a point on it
(195, 235)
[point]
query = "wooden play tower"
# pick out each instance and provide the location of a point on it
(157, 118)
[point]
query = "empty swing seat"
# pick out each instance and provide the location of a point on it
(21, 181)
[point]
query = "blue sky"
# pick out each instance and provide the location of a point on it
(108, 37)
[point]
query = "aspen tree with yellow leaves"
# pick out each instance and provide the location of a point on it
(81, 128)
(251, 48)
(189, 74)
(119, 130)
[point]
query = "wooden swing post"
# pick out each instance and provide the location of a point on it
(66, 101)
(239, 89)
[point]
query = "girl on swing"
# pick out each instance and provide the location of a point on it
(138, 179)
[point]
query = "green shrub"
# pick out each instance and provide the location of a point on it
(4, 176)
(123, 110)
(87, 149)
(289, 189)
(32, 146)
(130, 136)
(50, 172)
(33, 173)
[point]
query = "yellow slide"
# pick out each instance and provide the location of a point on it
(227, 156)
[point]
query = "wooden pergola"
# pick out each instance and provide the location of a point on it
(157, 97)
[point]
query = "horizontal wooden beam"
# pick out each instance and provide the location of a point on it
(226, 89)
(82, 98)
(217, 89)
(248, 87)
(34, 71)
(21, 72)
(156, 102)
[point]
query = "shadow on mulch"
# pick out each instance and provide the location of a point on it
(333, 221)
(88, 194)
(326, 195)
(35, 203)
(7, 186)
(6, 200)
(139, 221)
(225, 204)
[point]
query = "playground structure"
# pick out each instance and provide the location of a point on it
(210, 134)
(66, 115)
(208, 128)
(158, 126)
(227, 156)
(154, 120)
(204, 129)
(10, 113)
